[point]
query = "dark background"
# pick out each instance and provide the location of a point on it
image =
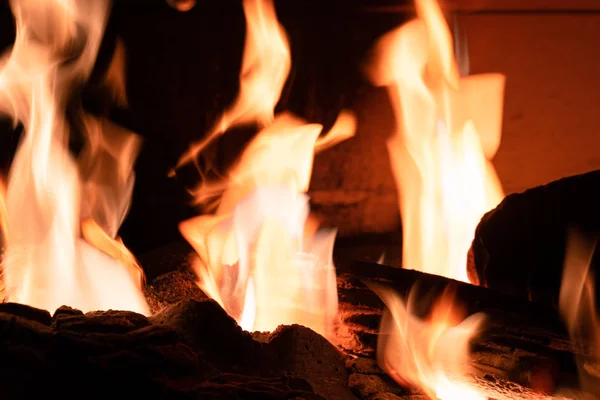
(182, 72)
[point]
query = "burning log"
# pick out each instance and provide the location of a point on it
(522, 342)
(522, 352)
(519, 247)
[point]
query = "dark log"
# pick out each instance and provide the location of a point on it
(190, 350)
(519, 247)
(522, 343)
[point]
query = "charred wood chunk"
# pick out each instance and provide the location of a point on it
(519, 247)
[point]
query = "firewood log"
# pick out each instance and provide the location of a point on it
(519, 247)
(522, 343)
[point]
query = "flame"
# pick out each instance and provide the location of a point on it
(449, 129)
(265, 67)
(47, 262)
(262, 257)
(577, 305)
(3, 212)
(429, 354)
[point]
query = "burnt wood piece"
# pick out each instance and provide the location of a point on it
(522, 343)
(519, 247)
(191, 350)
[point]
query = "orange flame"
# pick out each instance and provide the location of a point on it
(449, 128)
(47, 263)
(577, 304)
(260, 257)
(265, 68)
(431, 355)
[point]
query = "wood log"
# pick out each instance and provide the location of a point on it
(522, 342)
(190, 350)
(519, 247)
(524, 349)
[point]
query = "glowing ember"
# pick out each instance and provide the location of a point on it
(431, 355)
(47, 262)
(577, 304)
(449, 128)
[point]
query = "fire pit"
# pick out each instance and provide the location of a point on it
(262, 299)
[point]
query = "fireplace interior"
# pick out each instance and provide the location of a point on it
(522, 319)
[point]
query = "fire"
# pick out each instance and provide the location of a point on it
(449, 127)
(577, 305)
(262, 257)
(431, 355)
(47, 262)
(261, 254)
(265, 67)
(448, 130)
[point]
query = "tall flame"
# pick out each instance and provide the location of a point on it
(448, 130)
(265, 68)
(431, 355)
(577, 305)
(261, 255)
(47, 262)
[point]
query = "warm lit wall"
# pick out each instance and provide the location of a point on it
(551, 114)
(552, 104)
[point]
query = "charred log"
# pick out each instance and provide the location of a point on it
(519, 247)
(190, 350)
(522, 343)
(524, 350)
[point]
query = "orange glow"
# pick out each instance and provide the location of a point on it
(577, 305)
(265, 67)
(449, 127)
(47, 262)
(431, 354)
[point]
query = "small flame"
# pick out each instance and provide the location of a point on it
(428, 354)
(265, 68)
(449, 129)
(577, 305)
(47, 262)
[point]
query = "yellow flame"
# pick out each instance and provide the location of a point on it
(432, 354)
(265, 67)
(47, 263)
(448, 130)
(261, 255)
(577, 305)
